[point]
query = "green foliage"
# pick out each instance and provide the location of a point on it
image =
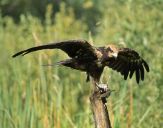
(83, 9)
(35, 96)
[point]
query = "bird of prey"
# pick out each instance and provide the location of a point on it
(92, 60)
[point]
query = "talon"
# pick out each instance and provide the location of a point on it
(102, 87)
(106, 94)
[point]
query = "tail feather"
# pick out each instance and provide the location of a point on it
(63, 62)
(72, 63)
(37, 48)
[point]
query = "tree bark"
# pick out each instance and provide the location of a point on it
(99, 108)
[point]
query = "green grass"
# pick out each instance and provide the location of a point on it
(35, 96)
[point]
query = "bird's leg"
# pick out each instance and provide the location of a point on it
(88, 78)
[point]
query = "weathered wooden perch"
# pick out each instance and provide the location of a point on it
(100, 112)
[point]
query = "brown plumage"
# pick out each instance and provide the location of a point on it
(92, 60)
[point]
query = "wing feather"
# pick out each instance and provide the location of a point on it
(120, 67)
(116, 64)
(127, 63)
(137, 75)
(146, 66)
(126, 72)
(142, 72)
(74, 48)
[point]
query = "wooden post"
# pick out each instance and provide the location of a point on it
(100, 112)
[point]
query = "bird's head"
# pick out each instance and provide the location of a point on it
(112, 51)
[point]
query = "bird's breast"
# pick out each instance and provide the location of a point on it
(98, 63)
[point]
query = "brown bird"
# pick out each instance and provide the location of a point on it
(92, 60)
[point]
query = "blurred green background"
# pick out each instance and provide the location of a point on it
(34, 96)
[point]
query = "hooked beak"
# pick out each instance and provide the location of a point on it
(110, 57)
(115, 54)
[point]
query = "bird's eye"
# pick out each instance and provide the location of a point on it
(109, 49)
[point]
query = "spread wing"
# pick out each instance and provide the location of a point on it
(74, 48)
(129, 62)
